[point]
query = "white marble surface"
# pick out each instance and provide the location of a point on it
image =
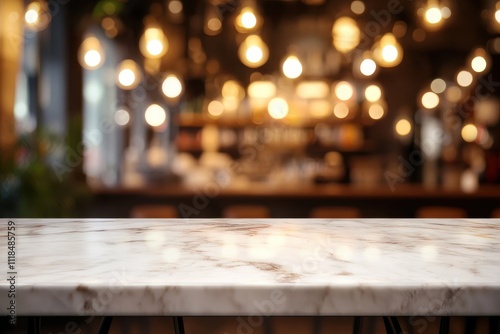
(272, 267)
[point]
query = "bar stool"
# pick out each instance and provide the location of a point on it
(495, 213)
(335, 212)
(440, 212)
(246, 211)
(154, 211)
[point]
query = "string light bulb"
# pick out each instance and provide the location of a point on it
(247, 20)
(37, 16)
(434, 14)
(346, 34)
(480, 60)
(292, 67)
(128, 75)
(388, 52)
(253, 52)
(91, 54)
(172, 86)
(153, 43)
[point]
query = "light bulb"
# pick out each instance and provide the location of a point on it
(403, 127)
(278, 108)
(155, 115)
(344, 90)
(430, 100)
(129, 75)
(373, 93)
(253, 52)
(346, 34)
(91, 55)
(292, 68)
(153, 43)
(172, 86)
(367, 67)
(247, 20)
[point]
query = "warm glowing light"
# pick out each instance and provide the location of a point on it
(469, 133)
(433, 15)
(37, 16)
(373, 93)
(172, 86)
(126, 77)
(155, 115)
(388, 52)
(430, 100)
(92, 58)
(233, 90)
(128, 74)
(368, 67)
(376, 111)
(262, 90)
(464, 78)
(446, 12)
(214, 24)
(90, 54)
(122, 117)
(341, 110)
(403, 127)
(277, 108)
(154, 47)
(478, 64)
(346, 34)
(344, 90)
(320, 108)
(31, 16)
(292, 68)
(438, 86)
(358, 7)
(497, 15)
(153, 43)
(215, 108)
(312, 90)
(247, 20)
(253, 52)
(175, 6)
(453, 94)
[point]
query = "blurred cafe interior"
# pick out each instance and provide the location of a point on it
(250, 108)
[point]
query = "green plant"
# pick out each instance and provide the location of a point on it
(29, 185)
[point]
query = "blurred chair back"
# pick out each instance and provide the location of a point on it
(440, 212)
(495, 213)
(335, 212)
(154, 211)
(246, 211)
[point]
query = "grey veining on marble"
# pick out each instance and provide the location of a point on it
(269, 267)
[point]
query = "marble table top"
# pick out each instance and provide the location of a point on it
(254, 267)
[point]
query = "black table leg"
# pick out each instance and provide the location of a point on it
(358, 325)
(178, 325)
(396, 325)
(392, 325)
(493, 325)
(34, 325)
(317, 325)
(268, 328)
(388, 326)
(470, 325)
(105, 325)
(444, 325)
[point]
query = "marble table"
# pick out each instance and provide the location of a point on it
(269, 267)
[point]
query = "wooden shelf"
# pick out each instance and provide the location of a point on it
(199, 120)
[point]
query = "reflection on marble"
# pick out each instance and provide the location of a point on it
(271, 267)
